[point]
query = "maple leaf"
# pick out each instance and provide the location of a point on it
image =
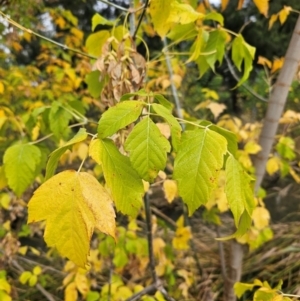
(73, 204)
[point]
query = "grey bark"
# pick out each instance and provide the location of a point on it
(276, 104)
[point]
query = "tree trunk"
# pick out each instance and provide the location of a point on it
(276, 104)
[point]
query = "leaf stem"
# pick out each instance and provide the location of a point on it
(50, 135)
(65, 47)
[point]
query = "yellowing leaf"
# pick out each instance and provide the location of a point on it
(240, 4)
(95, 42)
(73, 204)
(183, 13)
(252, 148)
(260, 217)
(159, 18)
(273, 165)
(37, 270)
(1, 88)
(182, 237)
(264, 61)
(170, 190)
(94, 150)
(71, 293)
(277, 64)
(283, 14)
(263, 6)
(272, 20)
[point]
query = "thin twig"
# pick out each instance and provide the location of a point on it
(140, 19)
(46, 294)
(115, 5)
(65, 47)
(173, 87)
(237, 78)
(222, 256)
(147, 290)
(150, 238)
(163, 216)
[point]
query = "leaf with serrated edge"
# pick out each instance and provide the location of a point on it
(124, 183)
(55, 155)
(172, 121)
(73, 204)
(238, 189)
(119, 116)
(148, 149)
(197, 164)
(21, 162)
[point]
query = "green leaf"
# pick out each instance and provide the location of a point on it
(197, 165)
(21, 162)
(215, 44)
(141, 93)
(229, 136)
(96, 41)
(215, 16)
(55, 155)
(242, 52)
(59, 120)
(238, 189)
(172, 121)
(124, 183)
(181, 32)
(99, 20)
(95, 86)
(119, 116)
(240, 288)
(148, 149)
(198, 45)
(163, 101)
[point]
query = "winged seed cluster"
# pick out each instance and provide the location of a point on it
(122, 70)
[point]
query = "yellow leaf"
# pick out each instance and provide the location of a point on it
(263, 6)
(32, 280)
(252, 148)
(224, 4)
(264, 61)
(5, 286)
(261, 217)
(71, 293)
(35, 251)
(277, 64)
(5, 200)
(23, 250)
(216, 108)
(273, 165)
(94, 150)
(25, 276)
(37, 270)
(81, 282)
(146, 185)
(1, 88)
(183, 14)
(73, 204)
(272, 20)
(159, 18)
(182, 237)
(283, 14)
(27, 36)
(170, 189)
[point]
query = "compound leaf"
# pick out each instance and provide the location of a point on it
(148, 149)
(73, 204)
(124, 183)
(197, 165)
(21, 163)
(119, 116)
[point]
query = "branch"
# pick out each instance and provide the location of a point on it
(46, 294)
(65, 47)
(237, 78)
(140, 19)
(173, 87)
